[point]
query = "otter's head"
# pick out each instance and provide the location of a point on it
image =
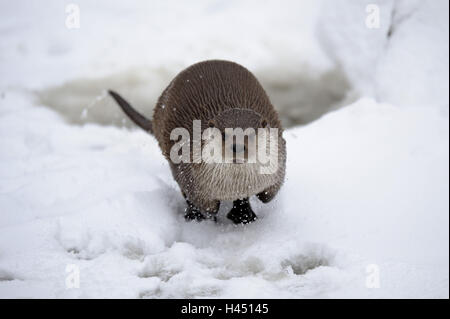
(245, 153)
(238, 129)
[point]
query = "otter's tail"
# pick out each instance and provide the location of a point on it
(134, 115)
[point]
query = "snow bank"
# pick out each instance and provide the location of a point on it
(365, 185)
(404, 61)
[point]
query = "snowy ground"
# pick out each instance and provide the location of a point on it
(367, 185)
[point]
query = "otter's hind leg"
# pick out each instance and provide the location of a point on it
(242, 212)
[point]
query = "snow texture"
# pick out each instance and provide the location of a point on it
(410, 45)
(367, 184)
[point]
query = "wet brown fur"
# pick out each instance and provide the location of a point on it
(203, 91)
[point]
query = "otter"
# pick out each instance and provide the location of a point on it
(222, 95)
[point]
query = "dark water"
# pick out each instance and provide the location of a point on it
(300, 96)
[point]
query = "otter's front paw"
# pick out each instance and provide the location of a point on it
(242, 212)
(190, 215)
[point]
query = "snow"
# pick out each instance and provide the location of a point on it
(366, 185)
(410, 45)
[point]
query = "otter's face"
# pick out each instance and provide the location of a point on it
(239, 149)
(240, 134)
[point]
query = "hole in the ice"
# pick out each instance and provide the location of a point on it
(85, 100)
(302, 96)
(299, 95)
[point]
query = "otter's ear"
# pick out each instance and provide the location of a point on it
(264, 123)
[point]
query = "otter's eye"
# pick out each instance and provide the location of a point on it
(263, 123)
(211, 123)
